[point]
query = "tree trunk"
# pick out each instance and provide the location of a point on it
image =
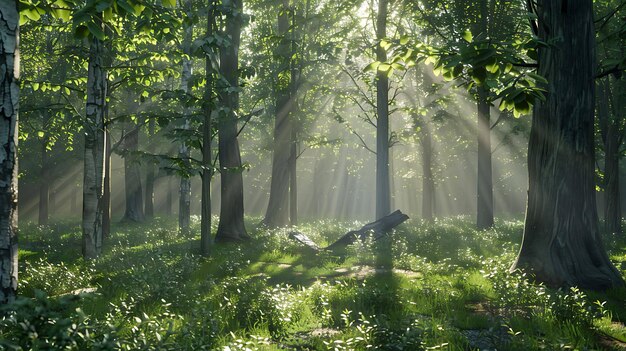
(293, 183)
(484, 177)
(207, 138)
(169, 197)
(231, 226)
(9, 95)
(132, 177)
(184, 199)
(106, 193)
(562, 244)
(428, 183)
(484, 203)
(44, 175)
(383, 205)
(610, 128)
(277, 214)
(149, 196)
(94, 151)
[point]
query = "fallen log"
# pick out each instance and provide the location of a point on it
(376, 230)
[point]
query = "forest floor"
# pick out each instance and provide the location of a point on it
(433, 286)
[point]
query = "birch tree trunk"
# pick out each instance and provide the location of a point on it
(561, 244)
(383, 198)
(94, 151)
(9, 95)
(231, 226)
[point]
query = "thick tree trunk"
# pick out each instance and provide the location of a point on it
(132, 177)
(9, 97)
(44, 175)
(231, 226)
(383, 205)
(94, 151)
(484, 189)
(562, 244)
(277, 214)
(207, 137)
(148, 206)
(184, 199)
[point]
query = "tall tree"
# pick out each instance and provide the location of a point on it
(611, 122)
(9, 97)
(277, 214)
(383, 195)
(184, 200)
(148, 206)
(207, 138)
(231, 226)
(93, 175)
(132, 175)
(484, 189)
(562, 244)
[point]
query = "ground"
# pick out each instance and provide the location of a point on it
(428, 286)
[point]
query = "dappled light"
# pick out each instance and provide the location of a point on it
(243, 175)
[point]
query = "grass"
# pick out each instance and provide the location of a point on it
(433, 286)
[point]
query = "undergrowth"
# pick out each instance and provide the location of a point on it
(441, 286)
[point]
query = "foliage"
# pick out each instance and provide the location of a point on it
(147, 292)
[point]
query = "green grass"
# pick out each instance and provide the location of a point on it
(441, 286)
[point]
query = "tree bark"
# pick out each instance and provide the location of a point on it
(149, 196)
(106, 192)
(484, 189)
(44, 175)
(383, 205)
(561, 244)
(277, 214)
(207, 138)
(610, 128)
(428, 183)
(132, 176)
(184, 199)
(94, 151)
(484, 178)
(231, 226)
(9, 95)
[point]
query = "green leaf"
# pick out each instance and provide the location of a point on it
(169, 3)
(467, 36)
(35, 86)
(41, 134)
(96, 30)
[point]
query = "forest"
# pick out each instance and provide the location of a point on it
(312, 175)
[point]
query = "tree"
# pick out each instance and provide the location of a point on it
(132, 174)
(277, 214)
(561, 243)
(383, 195)
(207, 138)
(94, 150)
(9, 95)
(231, 226)
(184, 199)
